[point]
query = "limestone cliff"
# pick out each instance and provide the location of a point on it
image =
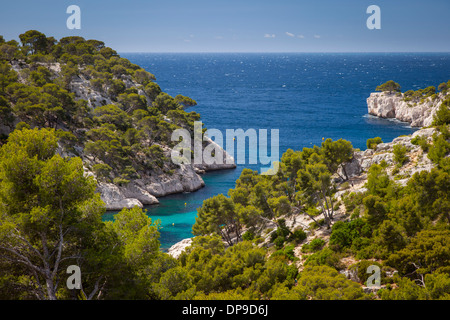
(394, 105)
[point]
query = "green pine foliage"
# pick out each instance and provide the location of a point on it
(373, 142)
(129, 132)
(389, 86)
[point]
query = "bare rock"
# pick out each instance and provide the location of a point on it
(385, 105)
(185, 179)
(114, 198)
(351, 168)
(426, 133)
(134, 190)
(178, 248)
(119, 197)
(227, 161)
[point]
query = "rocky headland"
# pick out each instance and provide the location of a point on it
(397, 106)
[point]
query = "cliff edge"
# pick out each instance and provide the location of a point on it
(398, 106)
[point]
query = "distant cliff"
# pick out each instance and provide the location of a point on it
(400, 107)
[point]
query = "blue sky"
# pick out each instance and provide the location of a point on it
(239, 25)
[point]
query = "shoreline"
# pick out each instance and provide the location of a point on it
(110, 209)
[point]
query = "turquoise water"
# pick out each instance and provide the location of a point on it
(305, 96)
(177, 212)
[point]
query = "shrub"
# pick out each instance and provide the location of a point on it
(429, 91)
(289, 252)
(423, 143)
(400, 156)
(355, 214)
(97, 84)
(248, 235)
(281, 232)
(102, 170)
(373, 142)
(442, 115)
(292, 272)
(362, 269)
(443, 86)
(344, 234)
(273, 236)
(439, 149)
(325, 283)
(279, 241)
(323, 257)
(130, 173)
(352, 201)
(408, 94)
(314, 245)
(345, 185)
(298, 235)
(120, 181)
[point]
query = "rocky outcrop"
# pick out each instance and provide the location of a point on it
(179, 247)
(144, 191)
(226, 163)
(114, 197)
(358, 167)
(386, 105)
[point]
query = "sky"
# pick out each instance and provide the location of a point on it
(239, 25)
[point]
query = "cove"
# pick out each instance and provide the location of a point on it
(306, 96)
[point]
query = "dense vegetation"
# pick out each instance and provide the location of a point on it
(122, 129)
(51, 218)
(402, 228)
(244, 248)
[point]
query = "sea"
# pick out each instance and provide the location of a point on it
(308, 97)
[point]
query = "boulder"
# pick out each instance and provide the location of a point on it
(114, 197)
(352, 168)
(227, 161)
(184, 179)
(179, 247)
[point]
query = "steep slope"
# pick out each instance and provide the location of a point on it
(106, 110)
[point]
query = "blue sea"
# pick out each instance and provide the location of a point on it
(306, 96)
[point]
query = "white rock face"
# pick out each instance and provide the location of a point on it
(185, 179)
(114, 198)
(385, 105)
(144, 191)
(179, 247)
(227, 161)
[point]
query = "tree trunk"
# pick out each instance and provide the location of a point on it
(50, 287)
(345, 172)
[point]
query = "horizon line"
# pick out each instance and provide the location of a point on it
(284, 52)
